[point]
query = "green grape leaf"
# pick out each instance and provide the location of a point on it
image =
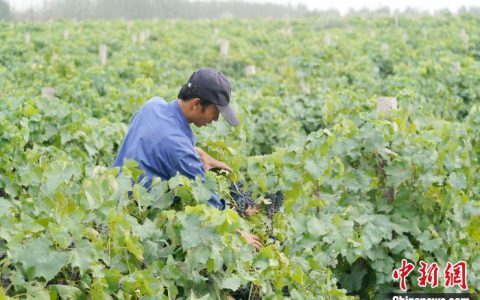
(39, 259)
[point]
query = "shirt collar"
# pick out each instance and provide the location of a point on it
(182, 120)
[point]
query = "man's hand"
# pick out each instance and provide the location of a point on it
(211, 163)
(251, 239)
(250, 211)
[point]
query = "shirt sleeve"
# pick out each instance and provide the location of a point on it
(187, 162)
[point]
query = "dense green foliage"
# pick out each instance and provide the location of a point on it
(363, 190)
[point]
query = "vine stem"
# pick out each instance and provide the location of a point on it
(250, 293)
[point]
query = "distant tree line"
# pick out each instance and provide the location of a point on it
(184, 9)
(147, 9)
(5, 13)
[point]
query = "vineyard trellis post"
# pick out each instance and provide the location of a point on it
(385, 107)
(224, 47)
(464, 37)
(144, 35)
(327, 39)
(48, 92)
(103, 51)
(250, 70)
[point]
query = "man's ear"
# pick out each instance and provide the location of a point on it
(195, 103)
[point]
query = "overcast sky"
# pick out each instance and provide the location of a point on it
(341, 5)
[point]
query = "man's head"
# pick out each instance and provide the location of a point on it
(205, 95)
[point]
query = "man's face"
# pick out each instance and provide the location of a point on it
(205, 115)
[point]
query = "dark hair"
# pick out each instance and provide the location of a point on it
(187, 93)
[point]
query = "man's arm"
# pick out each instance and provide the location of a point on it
(211, 163)
(188, 165)
(251, 239)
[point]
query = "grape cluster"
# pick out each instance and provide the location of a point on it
(243, 293)
(247, 292)
(5, 281)
(243, 200)
(245, 205)
(276, 201)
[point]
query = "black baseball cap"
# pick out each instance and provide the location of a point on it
(213, 86)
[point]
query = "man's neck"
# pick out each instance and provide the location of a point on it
(184, 107)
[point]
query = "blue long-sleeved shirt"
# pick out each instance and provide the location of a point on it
(161, 141)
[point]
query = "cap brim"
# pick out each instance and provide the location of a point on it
(228, 113)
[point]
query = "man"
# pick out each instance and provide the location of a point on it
(160, 138)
